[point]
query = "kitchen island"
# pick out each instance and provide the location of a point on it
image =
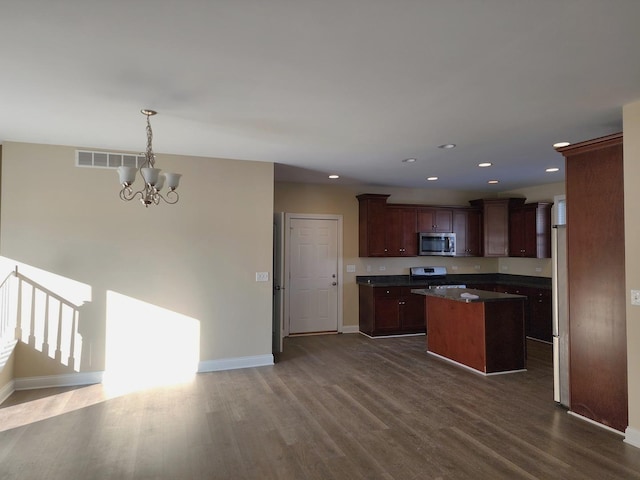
(478, 329)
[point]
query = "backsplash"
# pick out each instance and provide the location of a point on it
(454, 265)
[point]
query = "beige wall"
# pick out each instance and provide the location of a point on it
(631, 123)
(6, 375)
(539, 193)
(196, 260)
(341, 200)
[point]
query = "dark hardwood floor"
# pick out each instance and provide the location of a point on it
(333, 407)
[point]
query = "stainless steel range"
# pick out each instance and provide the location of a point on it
(428, 272)
(433, 273)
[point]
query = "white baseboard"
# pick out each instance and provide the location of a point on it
(593, 422)
(66, 380)
(632, 437)
(392, 336)
(350, 329)
(234, 363)
(6, 391)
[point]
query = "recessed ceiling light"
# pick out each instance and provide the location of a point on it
(431, 179)
(552, 169)
(409, 160)
(492, 181)
(334, 176)
(485, 164)
(447, 146)
(561, 144)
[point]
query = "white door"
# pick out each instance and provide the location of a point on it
(313, 275)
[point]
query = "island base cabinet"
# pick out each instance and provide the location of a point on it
(485, 336)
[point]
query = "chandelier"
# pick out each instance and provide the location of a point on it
(153, 179)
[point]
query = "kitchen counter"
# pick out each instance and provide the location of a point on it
(468, 279)
(466, 295)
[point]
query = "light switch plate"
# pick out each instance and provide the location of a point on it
(635, 297)
(262, 276)
(351, 268)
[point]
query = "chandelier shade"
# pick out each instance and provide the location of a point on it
(152, 177)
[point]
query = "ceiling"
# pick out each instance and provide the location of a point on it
(350, 87)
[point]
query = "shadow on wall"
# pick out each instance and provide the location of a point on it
(46, 317)
(41, 319)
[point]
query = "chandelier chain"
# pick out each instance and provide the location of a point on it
(150, 156)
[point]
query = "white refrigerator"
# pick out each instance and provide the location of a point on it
(561, 393)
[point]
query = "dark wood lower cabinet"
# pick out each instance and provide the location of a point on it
(390, 311)
(538, 310)
(541, 316)
(397, 311)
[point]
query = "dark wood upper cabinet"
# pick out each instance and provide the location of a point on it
(391, 230)
(435, 220)
(372, 225)
(530, 230)
(402, 236)
(386, 230)
(596, 280)
(496, 224)
(467, 225)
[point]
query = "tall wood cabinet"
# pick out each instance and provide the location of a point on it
(596, 280)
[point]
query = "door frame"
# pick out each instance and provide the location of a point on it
(278, 282)
(287, 263)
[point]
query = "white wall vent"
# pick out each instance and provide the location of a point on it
(85, 158)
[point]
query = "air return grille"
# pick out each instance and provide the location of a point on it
(85, 158)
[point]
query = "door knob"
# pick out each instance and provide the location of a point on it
(334, 283)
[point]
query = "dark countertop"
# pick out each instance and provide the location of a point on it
(458, 294)
(454, 279)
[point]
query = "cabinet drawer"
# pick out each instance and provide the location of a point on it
(387, 292)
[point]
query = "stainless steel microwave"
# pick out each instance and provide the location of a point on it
(443, 244)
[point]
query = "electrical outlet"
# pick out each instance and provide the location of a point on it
(477, 267)
(382, 268)
(454, 267)
(635, 297)
(368, 268)
(262, 276)
(538, 269)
